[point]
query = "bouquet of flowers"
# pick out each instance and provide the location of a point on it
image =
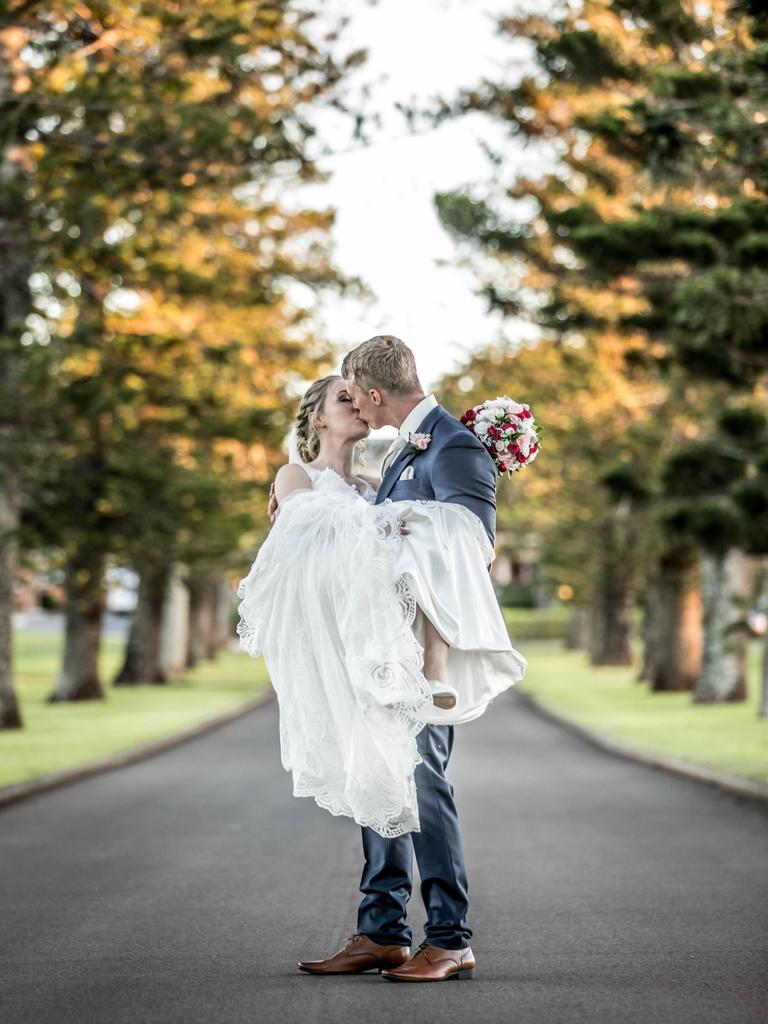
(508, 431)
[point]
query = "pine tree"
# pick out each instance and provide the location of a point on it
(148, 144)
(613, 424)
(697, 246)
(649, 236)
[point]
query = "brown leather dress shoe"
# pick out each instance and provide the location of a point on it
(358, 955)
(433, 963)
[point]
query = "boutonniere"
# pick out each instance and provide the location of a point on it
(419, 442)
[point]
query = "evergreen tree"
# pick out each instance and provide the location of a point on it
(612, 424)
(649, 235)
(147, 144)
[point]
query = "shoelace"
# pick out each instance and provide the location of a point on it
(356, 936)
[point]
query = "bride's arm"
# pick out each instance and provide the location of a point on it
(289, 479)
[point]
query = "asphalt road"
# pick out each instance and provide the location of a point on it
(183, 889)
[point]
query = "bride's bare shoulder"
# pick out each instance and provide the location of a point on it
(291, 477)
(292, 470)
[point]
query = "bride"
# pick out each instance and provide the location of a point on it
(372, 620)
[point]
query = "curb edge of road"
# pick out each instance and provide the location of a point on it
(21, 790)
(740, 785)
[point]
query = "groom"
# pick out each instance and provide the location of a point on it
(454, 467)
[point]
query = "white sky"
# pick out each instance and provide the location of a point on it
(387, 231)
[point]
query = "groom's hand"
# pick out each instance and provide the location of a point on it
(272, 506)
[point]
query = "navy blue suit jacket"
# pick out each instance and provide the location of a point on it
(455, 467)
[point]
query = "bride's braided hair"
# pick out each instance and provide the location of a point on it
(307, 438)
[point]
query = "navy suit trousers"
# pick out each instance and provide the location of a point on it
(387, 879)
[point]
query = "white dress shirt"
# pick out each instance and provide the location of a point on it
(409, 426)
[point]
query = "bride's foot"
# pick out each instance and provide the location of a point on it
(443, 695)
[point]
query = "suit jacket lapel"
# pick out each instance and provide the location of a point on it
(406, 456)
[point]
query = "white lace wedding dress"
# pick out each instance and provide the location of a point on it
(331, 602)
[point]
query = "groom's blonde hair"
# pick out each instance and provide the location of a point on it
(383, 362)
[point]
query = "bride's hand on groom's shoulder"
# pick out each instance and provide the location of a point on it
(374, 481)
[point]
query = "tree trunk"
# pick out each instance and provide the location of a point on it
(143, 663)
(10, 502)
(202, 619)
(576, 636)
(612, 607)
(762, 605)
(675, 661)
(15, 303)
(84, 584)
(224, 603)
(650, 630)
(211, 618)
(724, 585)
(174, 641)
(611, 619)
(194, 631)
(10, 715)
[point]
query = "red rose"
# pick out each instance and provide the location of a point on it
(520, 457)
(470, 414)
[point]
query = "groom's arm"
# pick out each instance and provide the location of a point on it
(464, 473)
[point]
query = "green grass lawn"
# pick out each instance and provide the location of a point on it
(729, 737)
(59, 736)
(537, 623)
